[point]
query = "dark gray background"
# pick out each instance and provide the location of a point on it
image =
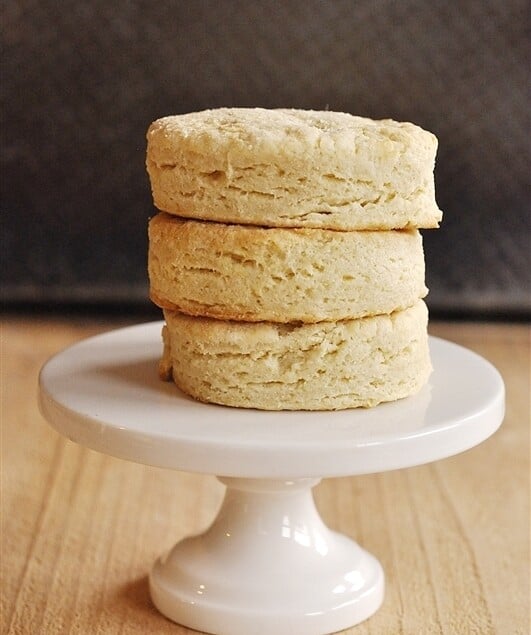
(81, 81)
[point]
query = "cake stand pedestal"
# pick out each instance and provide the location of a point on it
(268, 564)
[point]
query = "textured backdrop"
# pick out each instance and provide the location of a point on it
(81, 81)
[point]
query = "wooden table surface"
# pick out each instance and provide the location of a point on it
(80, 530)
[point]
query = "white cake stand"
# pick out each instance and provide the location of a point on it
(268, 564)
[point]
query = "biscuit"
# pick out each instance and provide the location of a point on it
(324, 366)
(238, 272)
(293, 168)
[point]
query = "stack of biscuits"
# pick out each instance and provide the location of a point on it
(287, 257)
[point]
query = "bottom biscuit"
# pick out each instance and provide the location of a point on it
(323, 366)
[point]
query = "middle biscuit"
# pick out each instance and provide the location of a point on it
(237, 272)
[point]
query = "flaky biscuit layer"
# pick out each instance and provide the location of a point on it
(237, 272)
(293, 168)
(324, 366)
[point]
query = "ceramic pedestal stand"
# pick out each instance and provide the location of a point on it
(267, 564)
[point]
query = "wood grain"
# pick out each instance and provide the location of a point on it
(79, 530)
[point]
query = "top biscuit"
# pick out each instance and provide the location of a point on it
(293, 168)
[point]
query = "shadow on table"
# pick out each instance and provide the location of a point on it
(142, 612)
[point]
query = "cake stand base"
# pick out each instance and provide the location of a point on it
(268, 564)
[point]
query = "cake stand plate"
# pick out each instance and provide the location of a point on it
(268, 564)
